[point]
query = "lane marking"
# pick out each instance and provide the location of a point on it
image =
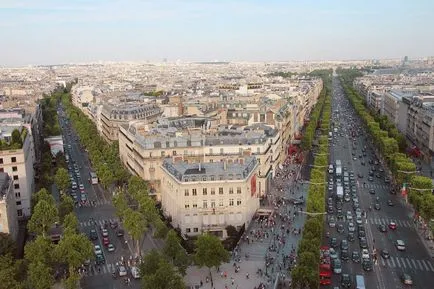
(397, 262)
(429, 264)
(420, 265)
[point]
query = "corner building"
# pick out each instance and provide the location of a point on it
(208, 197)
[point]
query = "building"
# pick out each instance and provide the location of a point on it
(17, 161)
(420, 125)
(395, 109)
(208, 197)
(8, 208)
(114, 116)
(196, 139)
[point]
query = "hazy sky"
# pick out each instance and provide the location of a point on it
(63, 31)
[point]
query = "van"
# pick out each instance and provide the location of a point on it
(360, 282)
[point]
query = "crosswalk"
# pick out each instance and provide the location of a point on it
(399, 223)
(97, 222)
(407, 263)
(374, 186)
(102, 203)
(104, 269)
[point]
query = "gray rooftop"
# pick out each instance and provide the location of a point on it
(4, 184)
(194, 172)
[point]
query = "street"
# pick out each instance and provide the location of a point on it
(371, 192)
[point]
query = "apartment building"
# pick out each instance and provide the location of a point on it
(112, 116)
(142, 149)
(395, 109)
(8, 208)
(208, 197)
(420, 125)
(17, 161)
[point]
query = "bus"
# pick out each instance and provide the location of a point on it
(93, 178)
(325, 270)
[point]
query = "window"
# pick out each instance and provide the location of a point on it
(220, 191)
(1, 160)
(17, 195)
(195, 230)
(211, 161)
(20, 213)
(163, 153)
(194, 205)
(174, 153)
(15, 177)
(212, 178)
(204, 191)
(239, 190)
(238, 202)
(194, 192)
(13, 159)
(231, 191)
(187, 206)
(205, 204)
(186, 193)
(221, 151)
(18, 203)
(212, 191)
(2, 170)
(231, 202)
(210, 151)
(212, 203)
(16, 186)
(221, 203)
(187, 230)
(14, 169)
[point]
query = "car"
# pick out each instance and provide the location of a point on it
(363, 243)
(349, 216)
(339, 215)
(367, 264)
(346, 281)
(363, 162)
(333, 253)
(350, 237)
(99, 260)
(355, 256)
(330, 209)
(105, 241)
(344, 245)
(97, 250)
(385, 254)
(104, 233)
(333, 242)
(351, 227)
(337, 266)
(359, 220)
(406, 279)
(372, 191)
(113, 224)
(296, 201)
(378, 175)
(332, 222)
(365, 253)
(340, 228)
(81, 187)
(377, 206)
(347, 198)
(390, 203)
(392, 226)
(400, 245)
(382, 228)
(120, 232)
(110, 247)
(345, 256)
(93, 235)
(83, 197)
(361, 234)
(135, 272)
(122, 271)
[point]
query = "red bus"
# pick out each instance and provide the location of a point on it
(325, 270)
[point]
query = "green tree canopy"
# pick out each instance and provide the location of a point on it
(40, 275)
(62, 179)
(43, 217)
(210, 251)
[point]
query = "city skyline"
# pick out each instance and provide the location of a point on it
(51, 32)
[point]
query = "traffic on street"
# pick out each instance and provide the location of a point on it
(370, 239)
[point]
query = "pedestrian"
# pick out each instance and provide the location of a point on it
(247, 275)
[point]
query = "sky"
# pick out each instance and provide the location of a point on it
(76, 31)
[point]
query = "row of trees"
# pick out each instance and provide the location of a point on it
(42, 258)
(104, 157)
(306, 274)
(314, 118)
(392, 146)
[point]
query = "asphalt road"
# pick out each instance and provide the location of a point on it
(387, 273)
(93, 217)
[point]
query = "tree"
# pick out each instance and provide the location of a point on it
(70, 224)
(7, 245)
(39, 250)
(136, 226)
(42, 194)
(157, 273)
(120, 203)
(210, 252)
(44, 216)
(40, 275)
(9, 273)
(175, 253)
(62, 179)
(66, 206)
(16, 138)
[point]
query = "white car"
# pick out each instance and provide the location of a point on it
(122, 271)
(110, 247)
(97, 250)
(400, 245)
(81, 187)
(104, 233)
(135, 272)
(365, 254)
